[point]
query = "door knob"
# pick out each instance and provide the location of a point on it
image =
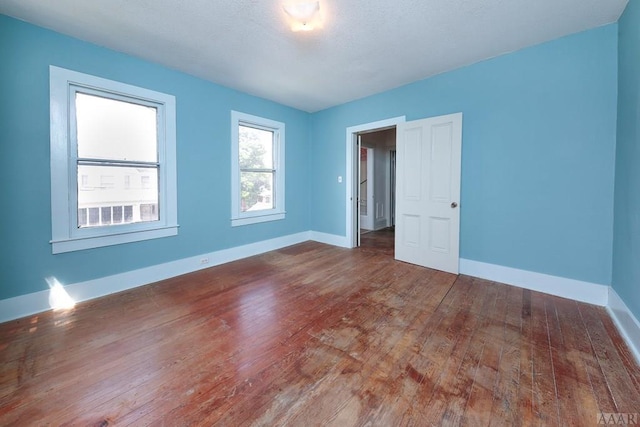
(454, 205)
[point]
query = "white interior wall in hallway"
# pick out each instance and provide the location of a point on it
(382, 142)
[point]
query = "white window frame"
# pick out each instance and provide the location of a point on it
(66, 235)
(238, 217)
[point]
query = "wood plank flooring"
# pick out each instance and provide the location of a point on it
(317, 335)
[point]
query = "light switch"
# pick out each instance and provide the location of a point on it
(339, 179)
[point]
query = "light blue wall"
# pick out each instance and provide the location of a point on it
(203, 140)
(538, 158)
(626, 242)
(537, 153)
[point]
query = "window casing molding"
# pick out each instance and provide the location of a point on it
(66, 235)
(238, 217)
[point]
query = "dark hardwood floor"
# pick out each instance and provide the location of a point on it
(317, 335)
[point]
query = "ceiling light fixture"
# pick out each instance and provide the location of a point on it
(305, 15)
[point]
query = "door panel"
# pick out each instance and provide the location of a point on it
(428, 192)
(439, 232)
(440, 164)
(412, 170)
(410, 230)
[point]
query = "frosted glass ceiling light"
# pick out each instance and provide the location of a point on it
(305, 15)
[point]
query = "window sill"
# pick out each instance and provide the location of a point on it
(78, 244)
(235, 222)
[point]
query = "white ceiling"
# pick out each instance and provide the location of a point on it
(364, 47)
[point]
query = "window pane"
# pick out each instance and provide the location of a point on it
(115, 130)
(117, 214)
(255, 148)
(82, 217)
(94, 216)
(128, 213)
(105, 215)
(256, 191)
(149, 212)
(112, 198)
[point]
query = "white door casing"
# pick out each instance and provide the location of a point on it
(428, 172)
(351, 175)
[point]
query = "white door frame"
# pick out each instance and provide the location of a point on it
(350, 176)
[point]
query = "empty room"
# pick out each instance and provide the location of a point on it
(313, 212)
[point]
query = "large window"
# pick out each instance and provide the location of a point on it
(257, 169)
(113, 169)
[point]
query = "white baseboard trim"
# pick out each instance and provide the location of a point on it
(591, 293)
(24, 305)
(627, 323)
(37, 302)
(329, 239)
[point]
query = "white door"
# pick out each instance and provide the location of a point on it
(428, 158)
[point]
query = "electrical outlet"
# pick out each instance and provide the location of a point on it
(204, 261)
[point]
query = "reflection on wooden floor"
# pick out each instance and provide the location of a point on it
(381, 241)
(317, 335)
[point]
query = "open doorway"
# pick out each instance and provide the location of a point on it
(378, 138)
(371, 183)
(376, 191)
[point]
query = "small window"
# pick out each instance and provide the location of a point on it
(128, 214)
(82, 217)
(94, 216)
(106, 181)
(148, 212)
(117, 214)
(257, 168)
(103, 133)
(105, 216)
